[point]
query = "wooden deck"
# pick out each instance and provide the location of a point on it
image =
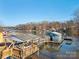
(27, 51)
(17, 53)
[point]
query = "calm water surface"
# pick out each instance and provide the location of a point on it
(66, 50)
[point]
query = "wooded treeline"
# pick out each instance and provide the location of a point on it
(71, 27)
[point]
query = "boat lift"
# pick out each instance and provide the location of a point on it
(55, 37)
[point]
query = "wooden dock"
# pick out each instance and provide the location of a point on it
(24, 52)
(29, 50)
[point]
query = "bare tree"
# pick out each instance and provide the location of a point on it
(76, 20)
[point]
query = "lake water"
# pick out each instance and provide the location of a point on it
(66, 50)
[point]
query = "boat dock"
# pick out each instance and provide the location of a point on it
(26, 48)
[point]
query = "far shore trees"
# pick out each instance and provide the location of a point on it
(70, 28)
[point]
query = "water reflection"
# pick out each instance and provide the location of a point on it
(68, 49)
